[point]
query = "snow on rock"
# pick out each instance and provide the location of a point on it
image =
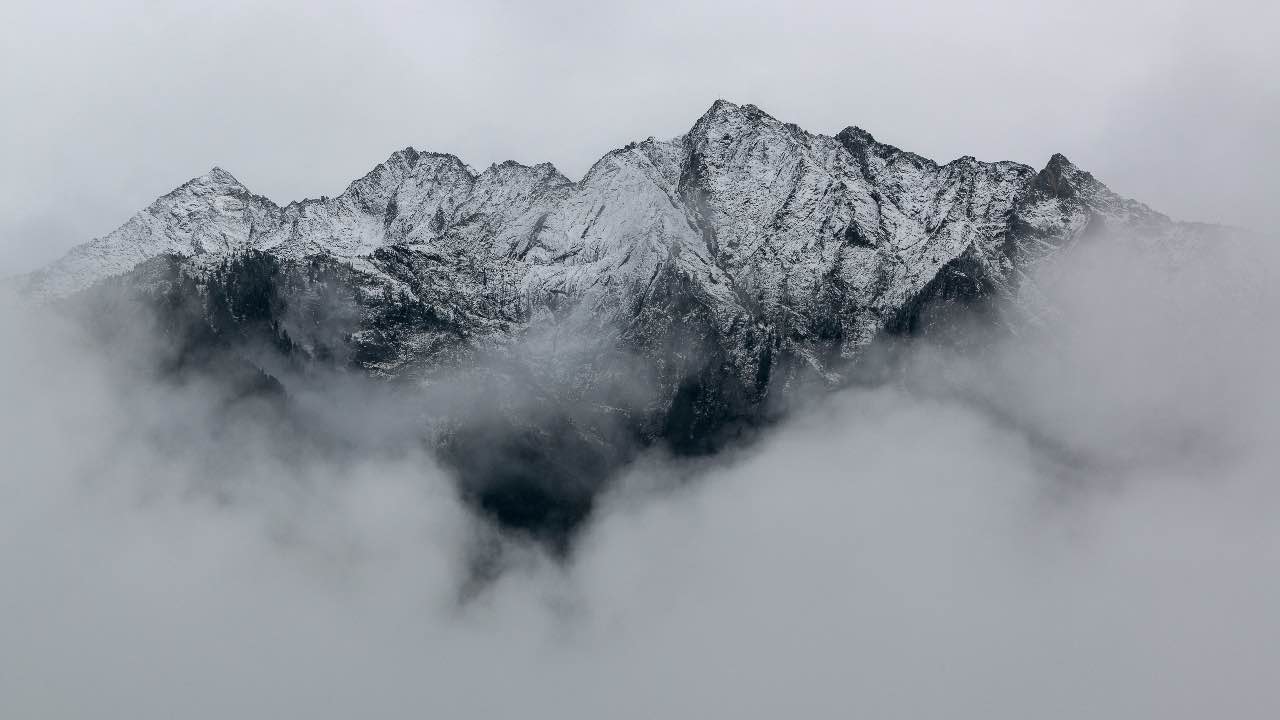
(818, 242)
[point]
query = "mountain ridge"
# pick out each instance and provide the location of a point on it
(219, 178)
(679, 293)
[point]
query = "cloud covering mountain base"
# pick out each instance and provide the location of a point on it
(1077, 521)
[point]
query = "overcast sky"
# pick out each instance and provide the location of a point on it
(108, 105)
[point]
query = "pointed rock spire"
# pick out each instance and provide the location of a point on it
(1061, 178)
(218, 176)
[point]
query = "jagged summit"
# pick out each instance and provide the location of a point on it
(723, 108)
(215, 180)
(725, 119)
(855, 135)
(1063, 179)
(742, 188)
(678, 293)
(218, 175)
(1059, 161)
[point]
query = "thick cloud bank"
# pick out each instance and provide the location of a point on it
(1078, 521)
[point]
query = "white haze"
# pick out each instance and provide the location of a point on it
(1077, 523)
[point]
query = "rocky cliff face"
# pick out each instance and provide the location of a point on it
(672, 295)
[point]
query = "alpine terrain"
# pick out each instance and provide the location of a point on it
(540, 332)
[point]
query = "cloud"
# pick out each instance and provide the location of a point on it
(1076, 521)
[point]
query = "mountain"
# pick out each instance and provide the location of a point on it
(678, 294)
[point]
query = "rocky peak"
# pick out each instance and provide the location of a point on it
(214, 182)
(1060, 178)
(510, 171)
(707, 275)
(724, 122)
(775, 206)
(217, 175)
(855, 138)
(409, 155)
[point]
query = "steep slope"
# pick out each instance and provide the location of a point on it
(677, 293)
(833, 234)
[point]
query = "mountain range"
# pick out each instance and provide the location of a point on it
(680, 294)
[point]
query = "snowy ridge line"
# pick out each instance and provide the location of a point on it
(762, 216)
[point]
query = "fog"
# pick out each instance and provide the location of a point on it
(1074, 521)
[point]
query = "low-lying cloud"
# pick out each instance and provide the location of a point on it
(1075, 521)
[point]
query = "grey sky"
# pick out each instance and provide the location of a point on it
(109, 105)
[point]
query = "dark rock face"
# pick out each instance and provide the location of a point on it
(961, 292)
(678, 295)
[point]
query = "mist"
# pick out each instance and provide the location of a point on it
(1073, 520)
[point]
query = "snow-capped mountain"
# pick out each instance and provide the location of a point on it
(673, 291)
(754, 211)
